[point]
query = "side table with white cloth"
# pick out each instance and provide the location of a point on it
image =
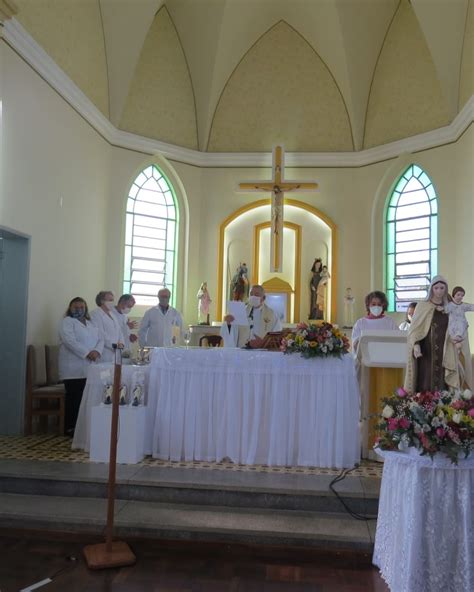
(425, 529)
(97, 377)
(254, 407)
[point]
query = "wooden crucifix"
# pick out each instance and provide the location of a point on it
(277, 186)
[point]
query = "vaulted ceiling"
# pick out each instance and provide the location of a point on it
(242, 75)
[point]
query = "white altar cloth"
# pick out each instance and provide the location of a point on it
(254, 407)
(97, 376)
(425, 532)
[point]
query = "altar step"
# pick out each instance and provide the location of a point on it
(134, 519)
(244, 489)
(190, 504)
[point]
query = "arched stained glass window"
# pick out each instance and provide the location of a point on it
(412, 238)
(151, 237)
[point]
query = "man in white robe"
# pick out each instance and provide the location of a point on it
(162, 325)
(261, 320)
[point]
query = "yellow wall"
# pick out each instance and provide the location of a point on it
(54, 188)
(50, 152)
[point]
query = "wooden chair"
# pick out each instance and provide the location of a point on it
(44, 396)
(211, 341)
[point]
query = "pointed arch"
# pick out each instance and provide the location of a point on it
(411, 238)
(151, 236)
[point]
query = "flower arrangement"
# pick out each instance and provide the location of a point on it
(313, 340)
(430, 421)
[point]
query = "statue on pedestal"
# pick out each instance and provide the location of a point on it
(204, 301)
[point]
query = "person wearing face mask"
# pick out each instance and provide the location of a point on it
(432, 362)
(407, 322)
(80, 346)
(376, 304)
(120, 312)
(109, 328)
(162, 325)
(261, 320)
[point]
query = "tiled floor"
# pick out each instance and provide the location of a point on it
(56, 448)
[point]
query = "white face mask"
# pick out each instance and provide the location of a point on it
(126, 310)
(254, 301)
(109, 305)
(376, 311)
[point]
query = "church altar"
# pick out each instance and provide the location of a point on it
(254, 407)
(424, 540)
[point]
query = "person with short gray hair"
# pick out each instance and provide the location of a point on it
(162, 325)
(120, 312)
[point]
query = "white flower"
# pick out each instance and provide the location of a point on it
(457, 417)
(435, 422)
(467, 395)
(387, 411)
(441, 414)
(426, 427)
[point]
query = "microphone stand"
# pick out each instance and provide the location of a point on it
(111, 553)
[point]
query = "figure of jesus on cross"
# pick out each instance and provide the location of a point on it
(277, 186)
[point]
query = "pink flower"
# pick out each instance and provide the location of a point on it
(401, 392)
(440, 432)
(471, 412)
(457, 404)
(392, 424)
(404, 423)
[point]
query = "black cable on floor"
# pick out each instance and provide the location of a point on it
(342, 475)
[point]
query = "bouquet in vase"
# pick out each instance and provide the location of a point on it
(315, 340)
(440, 421)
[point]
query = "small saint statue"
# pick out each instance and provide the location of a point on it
(349, 302)
(239, 286)
(204, 301)
(314, 310)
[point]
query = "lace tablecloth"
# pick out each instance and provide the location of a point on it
(425, 536)
(254, 407)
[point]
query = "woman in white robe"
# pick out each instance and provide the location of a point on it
(80, 346)
(109, 329)
(376, 304)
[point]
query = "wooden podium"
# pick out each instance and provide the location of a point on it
(381, 360)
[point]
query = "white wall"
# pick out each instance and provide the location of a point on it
(54, 188)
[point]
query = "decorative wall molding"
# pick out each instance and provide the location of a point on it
(18, 38)
(8, 9)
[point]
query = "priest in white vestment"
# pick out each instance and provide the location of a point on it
(162, 325)
(261, 320)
